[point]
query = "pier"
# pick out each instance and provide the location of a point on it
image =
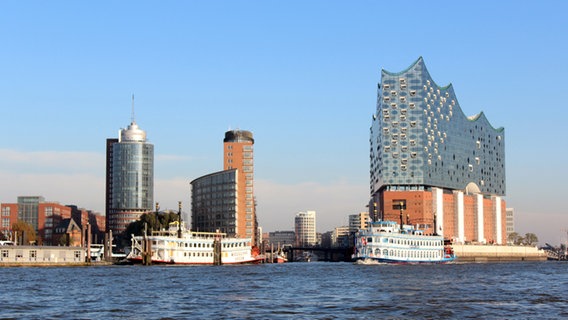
(333, 254)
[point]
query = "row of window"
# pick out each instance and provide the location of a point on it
(206, 245)
(407, 242)
(417, 254)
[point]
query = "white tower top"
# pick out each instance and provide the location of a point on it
(133, 133)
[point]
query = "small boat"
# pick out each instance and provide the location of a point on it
(180, 246)
(386, 241)
(279, 257)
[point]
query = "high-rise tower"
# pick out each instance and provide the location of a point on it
(305, 227)
(238, 154)
(130, 178)
(430, 161)
(224, 201)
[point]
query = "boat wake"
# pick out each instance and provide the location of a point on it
(368, 262)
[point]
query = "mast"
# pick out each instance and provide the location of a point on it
(132, 115)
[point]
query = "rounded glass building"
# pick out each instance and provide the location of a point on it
(132, 178)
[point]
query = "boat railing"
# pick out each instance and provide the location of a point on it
(193, 234)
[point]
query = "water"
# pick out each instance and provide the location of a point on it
(288, 291)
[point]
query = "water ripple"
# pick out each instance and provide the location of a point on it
(288, 291)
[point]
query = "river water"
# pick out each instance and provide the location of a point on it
(317, 290)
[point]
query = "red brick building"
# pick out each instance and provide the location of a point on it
(44, 217)
(455, 214)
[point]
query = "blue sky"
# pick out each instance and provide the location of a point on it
(301, 75)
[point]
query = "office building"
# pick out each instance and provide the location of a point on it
(282, 238)
(358, 221)
(214, 202)
(238, 154)
(431, 164)
(305, 229)
(130, 178)
(510, 221)
(44, 217)
(225, 200)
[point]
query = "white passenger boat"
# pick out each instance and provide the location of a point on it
(180, 246)
(386, 241)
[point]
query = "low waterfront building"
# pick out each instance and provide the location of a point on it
(41, 255)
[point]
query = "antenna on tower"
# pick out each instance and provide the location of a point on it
(132, 115)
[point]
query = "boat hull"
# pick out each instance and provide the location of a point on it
(371, 260)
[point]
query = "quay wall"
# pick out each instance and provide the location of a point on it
(482, 253)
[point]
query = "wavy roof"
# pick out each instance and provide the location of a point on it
(472, 118)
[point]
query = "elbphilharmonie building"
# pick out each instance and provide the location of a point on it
(441, 169)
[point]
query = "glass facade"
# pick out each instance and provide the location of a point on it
(130, 169)
(28, 210)
(133, 183)
(421, 138)
(214, 202)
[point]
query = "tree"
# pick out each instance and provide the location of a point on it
(28, 230)
(514, 238)
(530, 239)
(154, 221)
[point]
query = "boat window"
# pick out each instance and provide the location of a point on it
(385, 240)
(385, 252)
(369, 239)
